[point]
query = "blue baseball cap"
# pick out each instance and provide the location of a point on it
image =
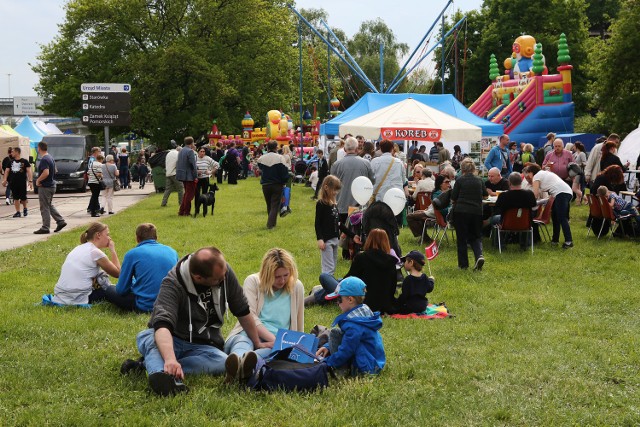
(349, 287)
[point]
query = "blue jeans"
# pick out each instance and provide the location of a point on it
(560, 217)
(194, 358)
(329, 285)
(240, 344)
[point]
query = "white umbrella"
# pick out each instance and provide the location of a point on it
(411, 120)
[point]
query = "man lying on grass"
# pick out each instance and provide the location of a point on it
(184, 335)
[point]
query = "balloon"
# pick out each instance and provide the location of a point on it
(396, 200)
(361, 189)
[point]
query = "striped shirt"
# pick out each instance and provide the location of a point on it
(205, 166)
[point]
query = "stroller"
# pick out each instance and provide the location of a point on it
(300, 172)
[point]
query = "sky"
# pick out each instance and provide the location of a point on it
(28, 24)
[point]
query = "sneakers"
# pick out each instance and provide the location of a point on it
(17, 215)
(41, 231)
(7, 202)
(479, 264)
(165, 384)
(25, 212)
(566, 245)
(232, 368)
(60, 226)
(130, 366)
(247, 365)
(284, 212)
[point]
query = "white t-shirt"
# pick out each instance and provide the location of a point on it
(552, 183)
(313, 179)
(340, 154)
(78, 270)
(170, 162)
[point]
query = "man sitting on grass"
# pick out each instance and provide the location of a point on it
(184, 335)
(142, 271)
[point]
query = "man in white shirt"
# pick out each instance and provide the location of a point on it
(172, 184)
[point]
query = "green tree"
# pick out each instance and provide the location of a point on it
(600, 14)
(364, 47)
(315, 91)
(616, 89)
(188, 61)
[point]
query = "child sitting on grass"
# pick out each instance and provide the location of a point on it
(415, 286)
(620, 206)
(356, 344)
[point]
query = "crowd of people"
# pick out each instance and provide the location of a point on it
(187, 298)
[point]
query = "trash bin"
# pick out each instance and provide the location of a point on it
(159, 178)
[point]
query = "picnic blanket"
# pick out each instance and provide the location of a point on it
(433, 311)
(47, 300)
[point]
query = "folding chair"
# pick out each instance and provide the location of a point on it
(544, 217)
(608, 215)
(515, 220)
(595, 212)
(441, 225)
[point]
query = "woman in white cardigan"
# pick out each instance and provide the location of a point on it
(276, 300)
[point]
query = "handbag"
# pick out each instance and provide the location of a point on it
(375, 193)
(278, 372)
(286, 338)
(100, 181)
(116, 183)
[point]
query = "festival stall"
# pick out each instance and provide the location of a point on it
(447, 104)
(411, 120)
(12, 139)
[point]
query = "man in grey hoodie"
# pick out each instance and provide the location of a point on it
(184, 335)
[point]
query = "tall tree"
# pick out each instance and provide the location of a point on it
(188, 60)
(365, 48)
(600, 14)
(616, 88)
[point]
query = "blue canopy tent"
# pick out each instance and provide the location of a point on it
(29, 129)
(445, 103)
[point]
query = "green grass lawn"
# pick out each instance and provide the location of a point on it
(543, 339)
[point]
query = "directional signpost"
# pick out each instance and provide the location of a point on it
(106, 104)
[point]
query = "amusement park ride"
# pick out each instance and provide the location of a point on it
(526, 101)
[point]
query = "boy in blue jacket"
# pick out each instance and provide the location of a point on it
(356, 343)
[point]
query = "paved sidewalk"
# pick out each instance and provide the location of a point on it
(18, 232)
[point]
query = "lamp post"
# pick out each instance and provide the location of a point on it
(9, 83)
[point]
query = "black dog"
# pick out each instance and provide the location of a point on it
(205, 200)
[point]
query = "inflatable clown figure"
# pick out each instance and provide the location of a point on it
(520, 61)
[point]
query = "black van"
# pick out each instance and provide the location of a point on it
(70, 153)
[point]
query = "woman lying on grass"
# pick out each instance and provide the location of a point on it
(82, 265)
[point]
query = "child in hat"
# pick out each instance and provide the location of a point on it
(356, 343)
(415, 286)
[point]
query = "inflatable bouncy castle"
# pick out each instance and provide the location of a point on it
(279, 126)
(527, 100)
